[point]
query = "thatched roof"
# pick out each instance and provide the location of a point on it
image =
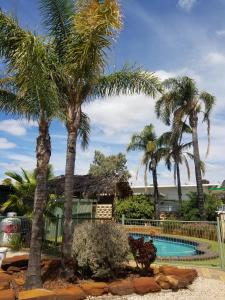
(88, 186)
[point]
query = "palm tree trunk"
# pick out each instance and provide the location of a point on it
(43, 153)
(198, 174)
(179, 190)
(73, 120)
(156, 192)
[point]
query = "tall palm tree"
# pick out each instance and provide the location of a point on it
(183, 102)
(148, 143)
(177, 154)
(29, 92)
(82, 35)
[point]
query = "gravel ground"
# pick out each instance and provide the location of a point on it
(201, 289)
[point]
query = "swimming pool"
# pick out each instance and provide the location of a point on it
(170, 247)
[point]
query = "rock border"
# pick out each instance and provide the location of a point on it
(165, 277)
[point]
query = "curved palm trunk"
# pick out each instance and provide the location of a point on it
(156, 192)
(179, 190)
(198, 174)
(43, 153)
(72, 125)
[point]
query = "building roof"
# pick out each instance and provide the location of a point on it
(89, 186)
(174, 186)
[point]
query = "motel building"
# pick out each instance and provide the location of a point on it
(169, 196)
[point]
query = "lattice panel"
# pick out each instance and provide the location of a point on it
(104, 211)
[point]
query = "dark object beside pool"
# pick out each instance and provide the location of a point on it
(144, 252)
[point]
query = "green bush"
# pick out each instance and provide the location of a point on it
(100, 248)
(15, 242)
(135, 207)
(190, 212)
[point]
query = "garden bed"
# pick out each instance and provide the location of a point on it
(129, 281)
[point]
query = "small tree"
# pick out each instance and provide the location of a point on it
(190, 210)
(109, 165)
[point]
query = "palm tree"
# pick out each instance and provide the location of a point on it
(23, 187)
(177, 154)
(148, 143)
(184, 102)
(82, 35)
(29, 92)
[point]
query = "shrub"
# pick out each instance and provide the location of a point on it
(190, 212)
(135, 207)
(144, 253)
(15, 242)
(100, 248)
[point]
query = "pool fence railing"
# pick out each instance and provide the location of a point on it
(206, 236)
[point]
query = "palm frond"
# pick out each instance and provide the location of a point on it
(209, 102)
(94, 27)
(128, 81)
(202, 167)
(15, 176)
(57, 16)
(84, 130)
(187, 166)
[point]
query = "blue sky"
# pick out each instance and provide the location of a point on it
(170, 37)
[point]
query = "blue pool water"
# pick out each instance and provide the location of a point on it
(169, 247)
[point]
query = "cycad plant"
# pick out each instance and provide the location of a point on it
(82, 36)
(148, 143)
(183, 102)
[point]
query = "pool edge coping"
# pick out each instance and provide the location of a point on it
(200, 246)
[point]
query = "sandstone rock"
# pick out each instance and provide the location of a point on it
(163, 281)
(155, 270)
(50, 268)
(188, 274)
(94, 288)
(71, 293)
(37, 294)
(13, 269)
(5, 280)
(19, 281)
(122, 287)
(15, 261)
(144, 285)
(173, 281)
(7, 295)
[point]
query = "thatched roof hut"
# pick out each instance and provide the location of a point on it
(93, 187)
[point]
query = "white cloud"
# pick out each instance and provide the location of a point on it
(5, 144)
(186, 5)
(16, 127)
(215, 58)
(220, 33)
(18, 161)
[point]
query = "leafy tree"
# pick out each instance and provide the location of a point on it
(148, 143)
(109, 165)
(190, 210)
(82, 34)
(135, 207)
(181, 102)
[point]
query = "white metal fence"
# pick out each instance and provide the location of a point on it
(197, 243)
